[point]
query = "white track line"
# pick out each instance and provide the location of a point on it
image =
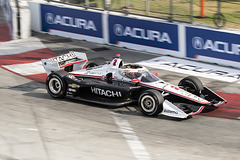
(26, 68)
(20, 46)
(133, 141)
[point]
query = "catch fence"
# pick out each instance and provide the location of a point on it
(221, 13)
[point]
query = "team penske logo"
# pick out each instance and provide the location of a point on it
(107, 93)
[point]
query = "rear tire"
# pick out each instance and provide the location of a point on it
(56, 85)
(191, 84)
(91, 64)
(150, 103)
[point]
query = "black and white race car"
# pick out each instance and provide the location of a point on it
(119, 84)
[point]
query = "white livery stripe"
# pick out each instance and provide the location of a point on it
(136, 146)
(26, 68)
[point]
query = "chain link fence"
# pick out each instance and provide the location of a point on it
(209, 12)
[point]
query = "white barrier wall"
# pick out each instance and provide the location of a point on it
(25, 19)
(35, 16)
(10, 13)
(135, 32)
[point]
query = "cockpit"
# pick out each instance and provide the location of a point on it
(131, 66)
(145, 76)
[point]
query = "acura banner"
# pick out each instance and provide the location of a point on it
(214, 44)
(72, 21)
(143, 32)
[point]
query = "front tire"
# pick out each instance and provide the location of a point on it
(56, 85)
(150, 103)
(191, 84)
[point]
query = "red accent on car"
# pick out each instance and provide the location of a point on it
(135, 80)
(69, 64)
(199, 111)
(155, 73)
(114, 63)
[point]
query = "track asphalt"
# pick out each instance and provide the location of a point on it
(25, 61)
(36, 127)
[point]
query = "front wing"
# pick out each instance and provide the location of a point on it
(171, 110)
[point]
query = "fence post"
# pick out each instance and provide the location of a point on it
(219, 6)
(170, 18)
(87, 3)
(127, 3)
(191, 11)
(18, 19)
(147, 7)
(202, 9)
(106, 4)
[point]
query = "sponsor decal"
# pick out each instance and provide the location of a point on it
(72, 90)
(193, 68)
(65, 57)
(71, 77)
(50, 18)
(170, 111)
(217, 46)
(107, 93)
(74, 85)
(140, 33)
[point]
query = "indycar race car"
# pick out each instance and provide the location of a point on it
(119, 84)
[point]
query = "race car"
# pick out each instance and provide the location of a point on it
(119, 84)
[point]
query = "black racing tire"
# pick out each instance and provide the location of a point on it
(56, 85)
(91, 64)
(96, 62)
(150, 102)
(191, 84)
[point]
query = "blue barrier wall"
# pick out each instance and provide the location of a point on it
(209, 43)
(143, 32)
(71, 20)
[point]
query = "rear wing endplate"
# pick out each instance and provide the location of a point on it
(75, 59)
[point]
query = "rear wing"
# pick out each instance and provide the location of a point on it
(69, 62)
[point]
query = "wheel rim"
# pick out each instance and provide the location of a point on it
(148, 103)
(55, 85)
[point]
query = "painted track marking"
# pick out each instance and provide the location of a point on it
(26, 68)
(193, 68)
(136, 146)
(26, 64)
